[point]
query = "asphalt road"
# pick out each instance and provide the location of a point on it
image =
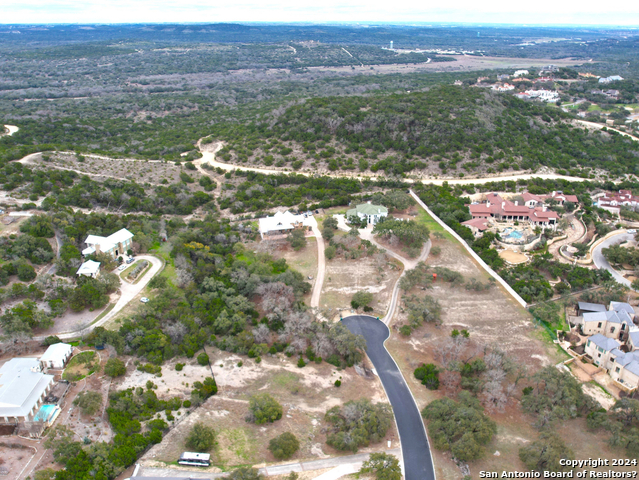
(600, 260)
(418, 463)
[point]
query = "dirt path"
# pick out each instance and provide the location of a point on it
(208, 156)
(575, 231)
(409, 264)
(11, 129)
(600, 126)
(321, 266)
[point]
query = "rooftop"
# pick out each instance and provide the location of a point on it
(56, 351)
(591, 307)
(608, 344)
(21, 385)
(369, 209)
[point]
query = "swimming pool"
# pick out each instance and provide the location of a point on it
(516, 234)
(46, 413)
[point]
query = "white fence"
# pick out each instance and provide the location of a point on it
(491, 272)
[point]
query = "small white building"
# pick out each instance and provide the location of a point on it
(115, 244)
(282, 223)
(610, 79)
(23, 387)
(56, 356)
(89, 268)
(519, 73)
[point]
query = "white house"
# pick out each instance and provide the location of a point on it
(610, 79)
(372, 213)
(283, 222)
(115, 244)
(89, 268)
(544, 95)
(519, 73)
(23, 387)
(610, 324)
(56, 355)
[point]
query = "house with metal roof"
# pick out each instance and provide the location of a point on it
(282, 223)
(623, 367)
(372, 213)
(89, 268)
(585, 307)
(56, 355)
(115, 244)
(23, 387)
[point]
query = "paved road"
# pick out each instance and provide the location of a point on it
(354, 461)
(418, 463)
(601, 262)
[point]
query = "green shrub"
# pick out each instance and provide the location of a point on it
(301, 363)
(203, 359)
(429, 376)
(284, 446)
(201, 438)
(179, 367)
(263, 408)
(114, 367)
(364, 424)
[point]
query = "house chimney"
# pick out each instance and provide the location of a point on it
(544, 208)
(503, 204)
(488, 203)
(516, 202)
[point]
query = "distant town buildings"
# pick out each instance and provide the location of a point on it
(588, 75)
(115, 244)
(617, 199)
(543, 94)
(519, 73)
(506, 87)
(458, 82)
(501, 78)
(610, 79)
(548, 69)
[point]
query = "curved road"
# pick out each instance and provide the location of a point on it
(601, 262)
(418, 462)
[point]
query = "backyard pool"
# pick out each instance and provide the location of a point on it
(512, 234)
(46, 414)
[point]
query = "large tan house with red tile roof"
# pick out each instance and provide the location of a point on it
(504, 210)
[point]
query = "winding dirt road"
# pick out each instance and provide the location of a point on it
(11, 129)
(208, 156)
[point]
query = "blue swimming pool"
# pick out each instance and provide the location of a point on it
(516, 234)
(45, 413)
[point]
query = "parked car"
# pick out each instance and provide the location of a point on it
(121, 267)
(144, 300)
(130, 260)
(631, 231)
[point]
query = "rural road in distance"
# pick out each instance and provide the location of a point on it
(418, 462)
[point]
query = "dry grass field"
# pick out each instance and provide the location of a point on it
(305, 394)
(494, 319)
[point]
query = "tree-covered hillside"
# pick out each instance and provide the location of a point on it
(448, 126)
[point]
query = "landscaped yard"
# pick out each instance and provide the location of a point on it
(81, 365)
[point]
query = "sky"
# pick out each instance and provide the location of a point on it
(538, 12)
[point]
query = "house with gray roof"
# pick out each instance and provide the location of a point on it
(372, 213)
(624, 368)
(610, 323)
(623, 307)
(599, 347)
(585, 307)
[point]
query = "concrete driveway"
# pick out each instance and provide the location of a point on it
(129, 292)
(601, 262)
(418, 462)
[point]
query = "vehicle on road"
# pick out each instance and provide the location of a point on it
(631, 231)
(144, 300)
(195, 459)
(122, 267)
(130, 260)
